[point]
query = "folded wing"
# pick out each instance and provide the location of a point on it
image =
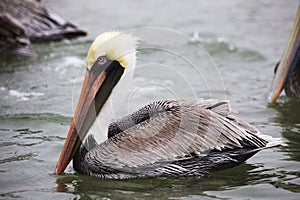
(170, 130)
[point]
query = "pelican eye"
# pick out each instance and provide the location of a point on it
(99, 64)
(101, 60)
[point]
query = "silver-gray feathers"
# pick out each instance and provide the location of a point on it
(164, 132)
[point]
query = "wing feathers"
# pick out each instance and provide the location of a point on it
(164, 131)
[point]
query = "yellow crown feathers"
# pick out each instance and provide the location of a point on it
(115, 45)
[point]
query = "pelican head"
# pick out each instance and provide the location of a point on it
(289, 60)
(110, 56)
(116, 46)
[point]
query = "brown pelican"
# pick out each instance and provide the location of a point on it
(164, 138)
(26, 21)
(287, 71)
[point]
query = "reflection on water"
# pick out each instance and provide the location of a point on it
(288, 117)
(288, 111)
(241, 176)
(89, 187)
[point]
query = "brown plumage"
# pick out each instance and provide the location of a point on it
(164, 138)
(171, 138)
(292, 87)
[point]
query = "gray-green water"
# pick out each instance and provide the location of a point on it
(245, 40)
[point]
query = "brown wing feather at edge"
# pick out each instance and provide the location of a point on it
(175, 129)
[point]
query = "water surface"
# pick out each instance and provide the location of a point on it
(245, 40)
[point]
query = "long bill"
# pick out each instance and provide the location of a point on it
(288, 61)
(98, 84)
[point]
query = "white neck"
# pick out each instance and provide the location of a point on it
(99, 128)
(122, 48)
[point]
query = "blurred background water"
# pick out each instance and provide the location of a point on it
(245, 40)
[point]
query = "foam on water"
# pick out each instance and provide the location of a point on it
(24, 96)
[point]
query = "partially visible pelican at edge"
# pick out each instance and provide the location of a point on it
(163, 138)
(26, 21)
(287, 71)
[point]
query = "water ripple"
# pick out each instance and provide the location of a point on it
(48, 117)
(221, 47)
(18, 158)
(24, 96)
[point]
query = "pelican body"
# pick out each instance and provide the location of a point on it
(287, 71)
(164, 138)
